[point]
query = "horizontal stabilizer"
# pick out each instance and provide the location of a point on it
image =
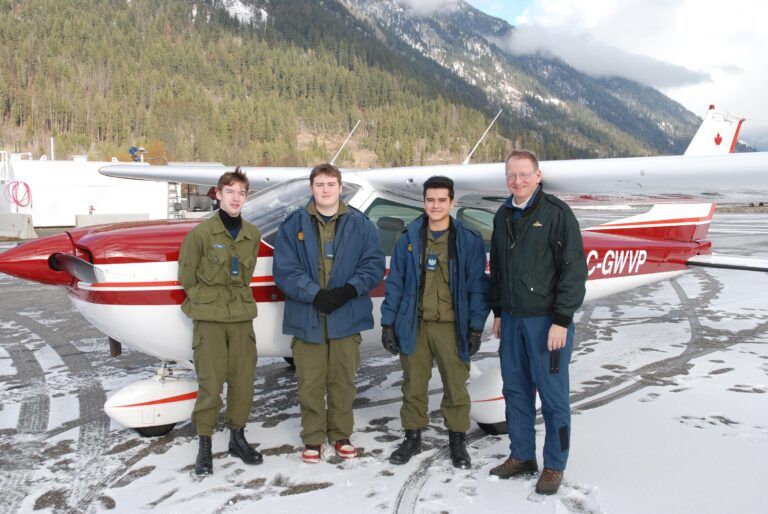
(728, 262)
(673, 222)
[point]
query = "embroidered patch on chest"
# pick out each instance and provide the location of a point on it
(537, 224)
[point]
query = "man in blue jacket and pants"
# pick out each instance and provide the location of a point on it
(327, 259)
(435, 308)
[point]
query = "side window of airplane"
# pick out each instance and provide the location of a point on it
(269, 207)
(480, 221)
(390, 219)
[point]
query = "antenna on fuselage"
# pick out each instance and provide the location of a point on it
(333, 161)
(466, 161)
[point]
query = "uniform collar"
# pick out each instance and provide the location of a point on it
(312, 210)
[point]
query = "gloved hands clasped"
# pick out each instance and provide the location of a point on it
(474, 339)
(389, 339)
(328, 300)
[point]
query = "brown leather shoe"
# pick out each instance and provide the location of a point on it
(549, 481)
(511, 468)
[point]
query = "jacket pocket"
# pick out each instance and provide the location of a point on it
(213, 264)
(206, 295)
(248, 295)
(534, 286)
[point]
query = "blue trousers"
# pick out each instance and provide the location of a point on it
(527, 366)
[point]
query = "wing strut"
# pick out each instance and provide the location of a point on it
(345, 142)
(466, 161)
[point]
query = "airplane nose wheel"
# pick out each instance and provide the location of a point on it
(155, 431)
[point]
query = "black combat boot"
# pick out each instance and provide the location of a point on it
(457, 443)
(410, 446)
(239, 447)
(204, 462)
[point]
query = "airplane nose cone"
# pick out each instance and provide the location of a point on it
(30, 260)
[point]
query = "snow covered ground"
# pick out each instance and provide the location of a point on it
(669, 388)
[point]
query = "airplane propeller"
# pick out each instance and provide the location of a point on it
(75, 266)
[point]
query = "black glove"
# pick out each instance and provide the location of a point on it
(332, 299)
(323, 302)
(389, 339)
(344, 293)
(474, 340)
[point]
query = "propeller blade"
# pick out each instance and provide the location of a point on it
(75, 266)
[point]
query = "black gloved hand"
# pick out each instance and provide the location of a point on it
(323, 302)
(346, 292)
(334, 298)
(389, 339)
(474, 340)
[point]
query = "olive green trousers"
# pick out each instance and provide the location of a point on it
(435, 341)
(326, 369)
(223, 352)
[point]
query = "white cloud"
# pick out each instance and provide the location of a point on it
(428, 7)
(590, 56)
(725, 41)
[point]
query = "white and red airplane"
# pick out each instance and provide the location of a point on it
(123, 277)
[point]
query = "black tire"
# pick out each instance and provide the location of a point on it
(499, 428)
(155, 431)
(290, 362)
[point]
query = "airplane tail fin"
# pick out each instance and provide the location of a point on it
(673, 222)
(717, 134)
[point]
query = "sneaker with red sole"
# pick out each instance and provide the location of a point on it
(344, 449)
(312, 453)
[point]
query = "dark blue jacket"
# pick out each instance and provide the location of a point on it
(358, 261)
(469, 285)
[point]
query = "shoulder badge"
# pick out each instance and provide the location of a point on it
(300, 235)
(410, 247)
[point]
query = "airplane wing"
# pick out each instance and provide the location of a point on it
(203, 174)
(705, 171)
(731, 177)
(717, 134)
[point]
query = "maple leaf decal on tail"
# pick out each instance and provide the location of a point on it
(718, 139)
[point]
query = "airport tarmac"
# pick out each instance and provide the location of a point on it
(672, 376)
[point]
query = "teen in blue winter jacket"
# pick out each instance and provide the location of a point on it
(435, 309)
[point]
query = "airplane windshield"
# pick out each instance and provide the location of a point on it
(269, 207)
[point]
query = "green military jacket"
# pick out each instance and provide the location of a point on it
(436, 300)
(326, 233)
(537, 261)
(214, 293)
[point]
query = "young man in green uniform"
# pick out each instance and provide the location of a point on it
(327, 260)
(216, 263)
(435, 309)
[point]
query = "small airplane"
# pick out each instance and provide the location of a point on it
(123, 277)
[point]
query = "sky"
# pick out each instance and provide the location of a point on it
(698, 52)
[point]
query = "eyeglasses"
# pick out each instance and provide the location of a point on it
(522, 176)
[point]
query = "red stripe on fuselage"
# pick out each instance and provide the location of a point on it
(609, 256)
(180, 398)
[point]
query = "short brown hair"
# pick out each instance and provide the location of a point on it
(324, 169)
(233, 176)
(523, 154)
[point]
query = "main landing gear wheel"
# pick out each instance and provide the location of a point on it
(494, 428)
(155, 431)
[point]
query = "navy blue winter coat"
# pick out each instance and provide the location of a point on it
(358, 261)
(468, 281)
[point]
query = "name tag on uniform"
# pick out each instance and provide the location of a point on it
(328, 250)
(431, 262)
(234, 266)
